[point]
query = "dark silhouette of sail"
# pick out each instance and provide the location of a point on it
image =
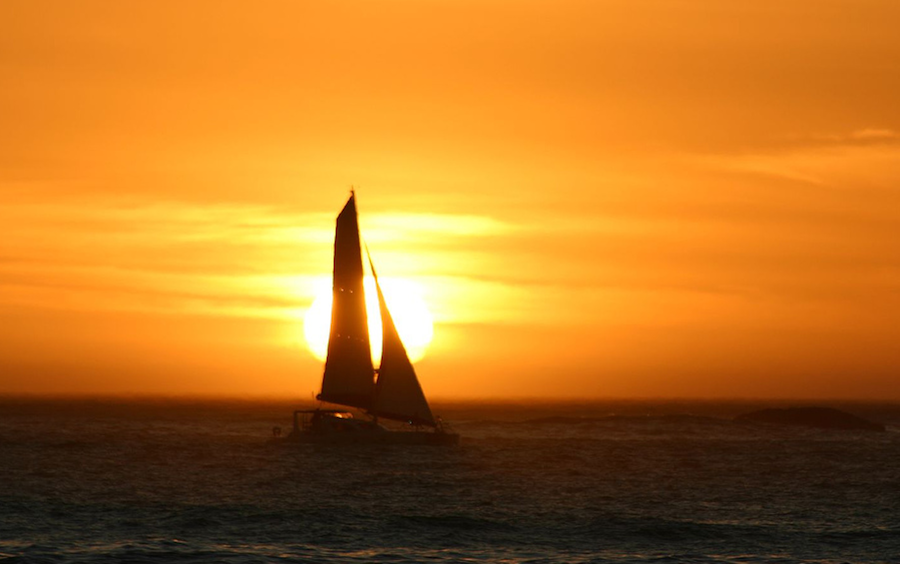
(398, 394)
(349, 374)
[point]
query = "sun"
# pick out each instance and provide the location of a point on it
(410, 314)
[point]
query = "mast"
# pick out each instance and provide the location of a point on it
(349, 375)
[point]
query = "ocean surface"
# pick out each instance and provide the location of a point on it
(199, 481)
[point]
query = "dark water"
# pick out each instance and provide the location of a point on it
(146, 481)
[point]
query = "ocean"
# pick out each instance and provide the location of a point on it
(116, 480)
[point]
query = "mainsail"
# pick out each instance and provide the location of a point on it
(349, 374)
(398, 394)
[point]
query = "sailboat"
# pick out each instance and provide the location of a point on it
(390, 392)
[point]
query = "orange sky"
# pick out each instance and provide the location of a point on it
(625, 198)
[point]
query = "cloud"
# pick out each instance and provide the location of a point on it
(875, 134)
(128, 254)
(857, 137)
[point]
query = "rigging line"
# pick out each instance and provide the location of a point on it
(371, 264)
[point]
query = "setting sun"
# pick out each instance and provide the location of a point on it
(411, 315)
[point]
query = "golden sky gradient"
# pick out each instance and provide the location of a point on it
(689, 198)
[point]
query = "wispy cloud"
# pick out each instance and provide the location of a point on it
(875, 134)
(111, 254)
(857, 137)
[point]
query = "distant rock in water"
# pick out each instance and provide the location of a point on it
(819, 417)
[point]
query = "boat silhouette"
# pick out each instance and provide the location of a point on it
(390, 392)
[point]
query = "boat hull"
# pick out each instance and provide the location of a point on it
(382, 437)
(331, 427)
